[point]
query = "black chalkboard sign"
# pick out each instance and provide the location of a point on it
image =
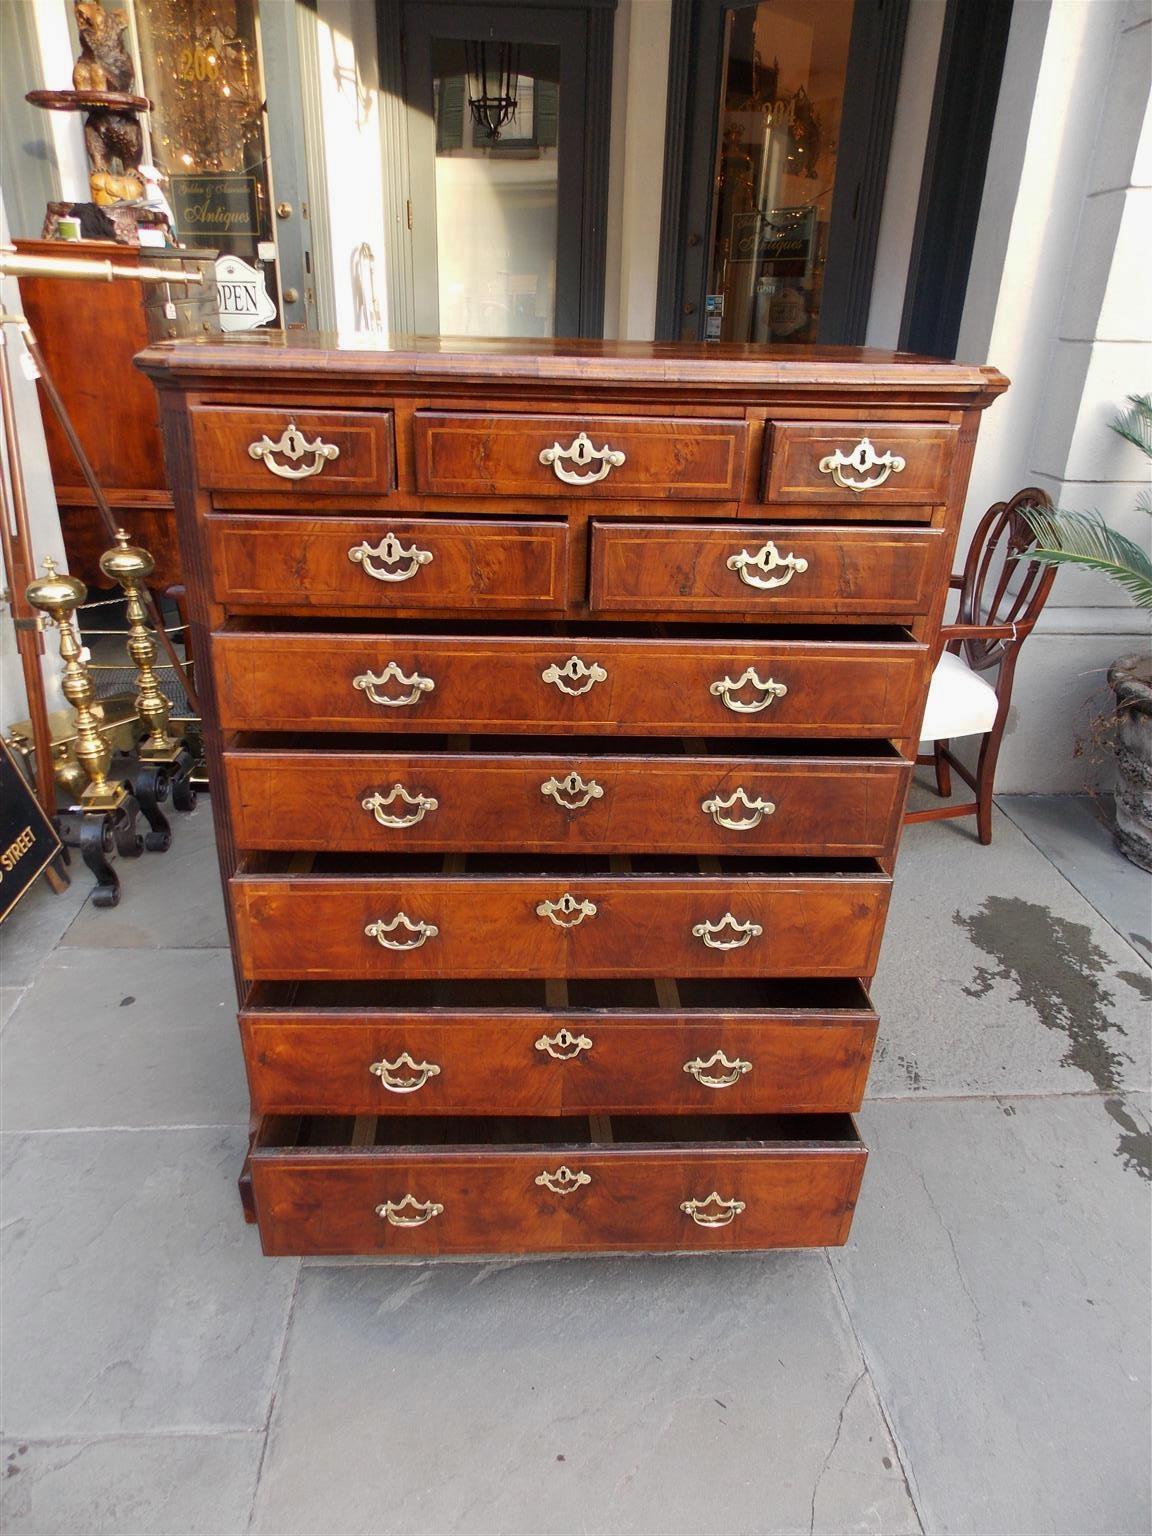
(28, 840)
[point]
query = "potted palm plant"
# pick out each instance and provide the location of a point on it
(1086, 540)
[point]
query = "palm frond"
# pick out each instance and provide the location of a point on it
(1085, 539)
(1136, 424)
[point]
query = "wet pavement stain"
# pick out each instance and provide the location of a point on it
(911, 1070)
(1057, 970)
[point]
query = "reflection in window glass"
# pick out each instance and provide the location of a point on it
(201, 69)
(496, 199)
(776, 168)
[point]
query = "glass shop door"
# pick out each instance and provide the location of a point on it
(495, 133)
(779, 137)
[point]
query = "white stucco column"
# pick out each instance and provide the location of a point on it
(1058, 298)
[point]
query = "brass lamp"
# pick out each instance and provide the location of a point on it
(58, 597)
(130, 566)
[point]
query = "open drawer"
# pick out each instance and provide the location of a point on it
(558, 1047)
(449, 1185)
(338, 918)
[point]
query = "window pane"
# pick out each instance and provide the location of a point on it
(201, 70)
(496, 198)
(776, 168)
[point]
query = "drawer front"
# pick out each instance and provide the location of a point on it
(764, 571)
(280, 562)
(858, 462)
(328, 927)
(405, 802)
(614, 457)
(570, 686)
(376, 1062)
(557, 1198)
(315, 453)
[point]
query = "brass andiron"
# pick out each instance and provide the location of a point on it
(165, 763)
(103, 819)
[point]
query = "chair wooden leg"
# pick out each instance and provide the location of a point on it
(985, 778)
(943, 770)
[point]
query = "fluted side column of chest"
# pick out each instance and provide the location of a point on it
(561, 702)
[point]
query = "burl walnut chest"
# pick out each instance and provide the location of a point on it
(561, 702)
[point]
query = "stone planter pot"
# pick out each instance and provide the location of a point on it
(1131, 681)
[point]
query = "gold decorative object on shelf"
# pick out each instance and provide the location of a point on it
(58, 597)
(130, 567)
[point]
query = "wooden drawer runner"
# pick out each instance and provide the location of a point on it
(613, 457)
(677, 1047)
(417, 799)
(566, 923)
(560, 1186)
(349, 563)
(760, 569)
(487, 683)
(859, 463)
(240, 448)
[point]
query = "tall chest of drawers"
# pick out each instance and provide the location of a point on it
(560, 706)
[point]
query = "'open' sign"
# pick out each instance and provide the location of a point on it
(242, 296)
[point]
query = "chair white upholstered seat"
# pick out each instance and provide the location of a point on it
(960, 702)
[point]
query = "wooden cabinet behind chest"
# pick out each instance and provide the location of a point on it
(88, 334)
(561, 706)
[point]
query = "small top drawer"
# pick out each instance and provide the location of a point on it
(858, 463)
(327, 452)
(459, 454)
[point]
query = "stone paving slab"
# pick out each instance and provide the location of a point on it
(9, 998)
(168, 900)
(108, 1037)
(144, 1485)
(996, 976)
(135, 1297)
(651, 1395)
(1076, 833)
(997, 1277)
(37, 924)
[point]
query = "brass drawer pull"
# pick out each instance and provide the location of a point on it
(386, 1070)
(390, 552)
(715, 807)
(421, 932)
(574, 671)
(726, 689)
(580, 451)
(422, 1211)
(563, 1181)
(710, 933)
(764, 561)
(732, 1073)
(563, 1045)
(575, 788)
(378, 804)
(713, 1212)
(368, 682)
(567, 912)
(293, 445)
(862, 458)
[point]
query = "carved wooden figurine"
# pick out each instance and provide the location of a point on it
(112, 138)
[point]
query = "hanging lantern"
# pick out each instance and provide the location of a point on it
(493, 76)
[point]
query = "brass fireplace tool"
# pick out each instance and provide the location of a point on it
(165, 762)
(102, 820)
